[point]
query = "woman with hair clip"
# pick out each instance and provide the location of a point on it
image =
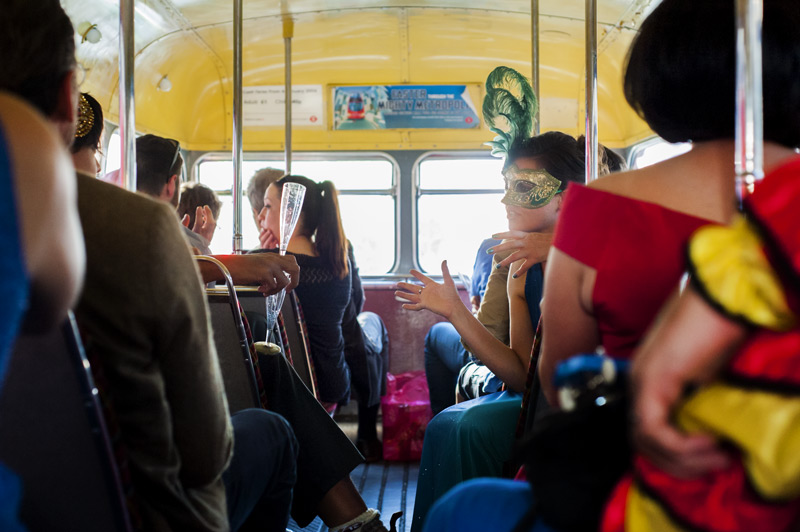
(88, 135)
(619, 252)
(347, 345)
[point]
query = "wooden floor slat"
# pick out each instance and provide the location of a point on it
(388, 487)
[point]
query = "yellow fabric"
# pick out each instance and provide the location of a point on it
(764, 426)
(730, 264)
(643, 514)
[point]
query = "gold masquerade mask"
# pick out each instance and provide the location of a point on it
(85, 117)
(530, 189)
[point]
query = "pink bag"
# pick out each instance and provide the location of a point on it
(406, 411)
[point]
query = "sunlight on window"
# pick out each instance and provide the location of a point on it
(657, 150)
(373, 241)
(459, 207)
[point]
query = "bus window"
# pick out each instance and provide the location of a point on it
(112, 155)
(458, 207)
(656, 150)
(366, 201)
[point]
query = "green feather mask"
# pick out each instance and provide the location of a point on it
(508, 108)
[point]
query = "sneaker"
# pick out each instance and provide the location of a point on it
(375, 524)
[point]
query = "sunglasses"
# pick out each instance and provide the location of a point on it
(175, 156)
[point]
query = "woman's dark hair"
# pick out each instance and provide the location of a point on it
(681, 71)
(195, 195)
(91, 138)
(558, 153)
(320, 221)
(37, 46)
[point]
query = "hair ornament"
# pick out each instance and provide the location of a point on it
(85, 117)
(508, 96)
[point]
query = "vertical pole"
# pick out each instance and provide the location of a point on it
(535, 60)
(591, 90)
(237, 126)
(127, 114)
(749, 97)
(288, 33)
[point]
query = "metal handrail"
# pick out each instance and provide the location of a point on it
(749, 97)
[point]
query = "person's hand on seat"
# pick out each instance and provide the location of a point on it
(439, 298)
(269, 271)
(531, 248)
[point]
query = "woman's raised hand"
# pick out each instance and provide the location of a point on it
(531, 248)
(439, 298)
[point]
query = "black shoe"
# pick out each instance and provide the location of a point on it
(372, 450)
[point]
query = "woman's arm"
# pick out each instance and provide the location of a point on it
(46, 197)
(443, 299)
(687, 346)
(569, 327)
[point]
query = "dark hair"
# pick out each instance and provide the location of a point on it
(37, 47)
(680, 76)
(92, 137)
(157, 159)
(195, 195)
(558, 153)
(258, 186)
(320, 220)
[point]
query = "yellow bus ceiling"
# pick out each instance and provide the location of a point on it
(359, 42)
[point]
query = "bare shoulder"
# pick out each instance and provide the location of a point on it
(628, 183)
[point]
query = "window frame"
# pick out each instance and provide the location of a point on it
(418, 192)
(393, 191)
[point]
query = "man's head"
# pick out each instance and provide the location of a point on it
(37, 47)
(158, 167)
(257, 187)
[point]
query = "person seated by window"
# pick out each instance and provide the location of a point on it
(198, 209)
(88, 135)
(42, 259)
(474, 438)
(256, 189)
(347, 346)
(444, 353)
(620, 245)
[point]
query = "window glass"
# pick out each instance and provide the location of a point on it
(113, 156)
(657, 150)
(373, 242)
(455, 212)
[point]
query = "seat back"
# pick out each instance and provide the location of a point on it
(293, 337)
(53, 436)
(230, 340)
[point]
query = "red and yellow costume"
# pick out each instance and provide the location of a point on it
(750, 271)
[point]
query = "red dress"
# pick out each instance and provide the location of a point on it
(637, 249)
(754, 404)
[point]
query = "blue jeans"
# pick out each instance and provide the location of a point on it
(444, 358)
(483, 504)
(261, 475)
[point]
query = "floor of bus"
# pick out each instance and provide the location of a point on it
(388, 487)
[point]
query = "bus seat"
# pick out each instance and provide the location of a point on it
(53, 436)
(292, 337)
(230, 340)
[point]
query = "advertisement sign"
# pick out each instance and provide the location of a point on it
(263, 106)
(404, 107)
